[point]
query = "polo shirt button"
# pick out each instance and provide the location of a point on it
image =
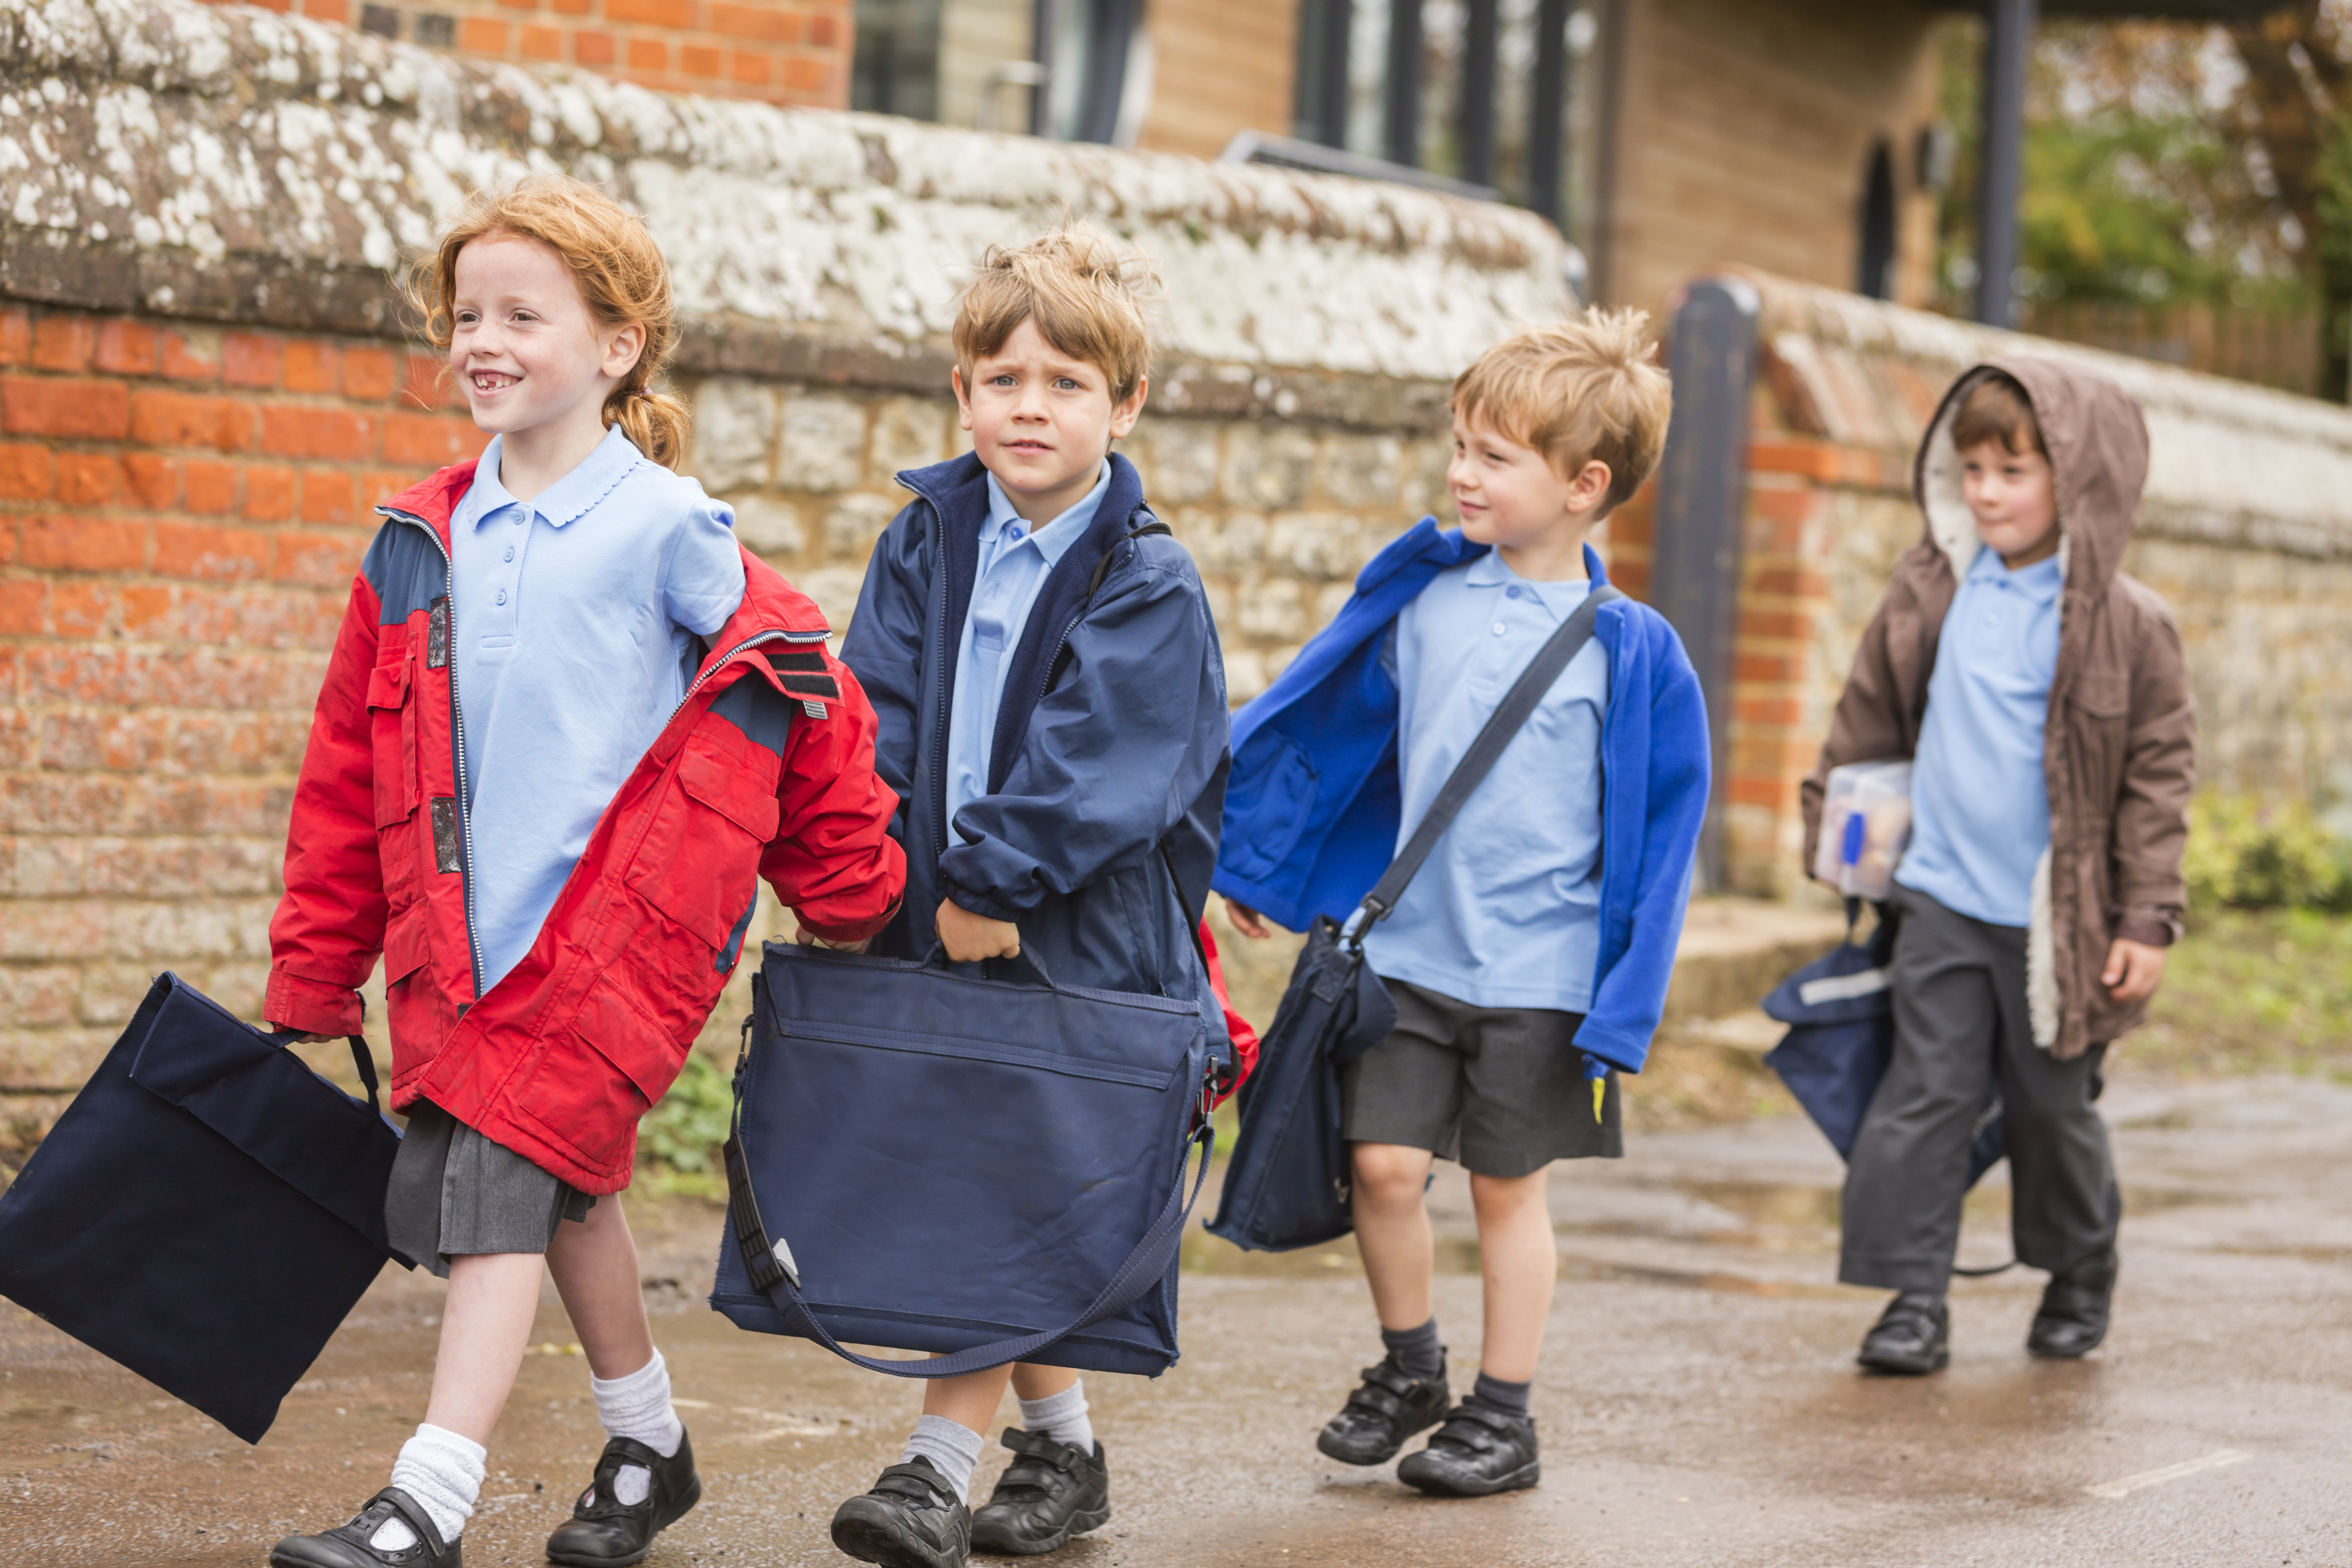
(502, 596)
(509, 551)
(1512, 592)
(1499, 628)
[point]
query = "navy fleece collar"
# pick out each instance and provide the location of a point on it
(958, 493)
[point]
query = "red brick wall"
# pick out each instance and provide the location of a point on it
(181, 513)
(782, 52)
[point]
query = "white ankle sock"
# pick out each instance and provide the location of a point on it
(443, 1472)
(639, 1407)
(1061, 1416)
(952, 1447)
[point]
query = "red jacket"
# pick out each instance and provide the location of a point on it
(765, 770)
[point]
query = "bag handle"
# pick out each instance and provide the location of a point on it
(1519, 705)
(937, 958)
(362, 1058)
(775, 1276)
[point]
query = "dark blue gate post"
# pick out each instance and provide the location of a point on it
(1702, 500)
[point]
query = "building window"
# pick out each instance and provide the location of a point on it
(895, 67)
(1494, 93)
(1875, 267)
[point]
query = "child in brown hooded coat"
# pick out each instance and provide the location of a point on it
(2043, 699)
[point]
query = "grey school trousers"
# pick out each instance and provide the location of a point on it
(1960, 1018)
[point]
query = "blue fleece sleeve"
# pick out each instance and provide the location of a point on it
(884, 648)
(1630, 996)
(1116, 752)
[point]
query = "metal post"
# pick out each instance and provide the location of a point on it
(1694, 539)
(1548, 110)
(1401, 129)
(1043, 18)
(2009, 41)
(1321, 115)
(1481, 39)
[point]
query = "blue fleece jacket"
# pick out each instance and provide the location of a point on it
(1312, 808)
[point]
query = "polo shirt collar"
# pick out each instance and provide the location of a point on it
(1051, 538)
(572, 497)
(2043, 581)
(1490, 571)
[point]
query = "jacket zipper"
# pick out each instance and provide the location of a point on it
(947, 698)
(772, 633)
(457, 746)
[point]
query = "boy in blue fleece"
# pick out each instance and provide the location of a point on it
(1051, 709)
(1529, 959)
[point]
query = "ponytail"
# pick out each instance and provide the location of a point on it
(656, 422)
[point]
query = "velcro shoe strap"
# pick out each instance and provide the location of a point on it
(412, 1513)
(919, 1482)
(1040, 1446)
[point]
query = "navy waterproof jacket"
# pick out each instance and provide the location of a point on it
(1312, 816)
(1107, 775)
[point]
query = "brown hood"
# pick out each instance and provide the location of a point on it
(2098, 453)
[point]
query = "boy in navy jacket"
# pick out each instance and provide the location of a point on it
(1529, 959)
(1052, 712)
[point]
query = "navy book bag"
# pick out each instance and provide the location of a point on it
(1840, 1010)
(930, 1160)
(206, 1212)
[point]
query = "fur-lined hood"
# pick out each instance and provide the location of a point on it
(2098, 459)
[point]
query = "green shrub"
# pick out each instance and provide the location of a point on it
(683, 1133)
(2246, 854)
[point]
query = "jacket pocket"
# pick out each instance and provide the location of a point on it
(409, 1003)
(698, 862)
(2098, 721)
(606, 1070)
(1265, 823)
(392, 727)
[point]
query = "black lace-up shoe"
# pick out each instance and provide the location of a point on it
(911, 1519)
(1052, 1493)
(1389, 1406)
(1479, 1451)
(346, 1545)
(603, 1531)
(2073, 1315)
(1912, 1338)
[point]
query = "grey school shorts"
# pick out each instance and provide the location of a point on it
(1500, 1090)
(455, 1193)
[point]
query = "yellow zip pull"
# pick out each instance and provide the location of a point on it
(1600, 1089)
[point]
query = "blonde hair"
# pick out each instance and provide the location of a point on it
(1089, 296)
(1578, 392)
(621, 276)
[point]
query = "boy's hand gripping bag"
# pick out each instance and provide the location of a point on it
(1289, 1183)
(1840, 1010)
(928, 1161)
(206, 1212)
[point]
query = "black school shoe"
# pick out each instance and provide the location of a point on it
(346, 1545)
(1912, 1338)
(1478, 1452)
(1053, 1491)
(604, 1530)
(2074, 1307)
(1389, 1406)
(911, 1519)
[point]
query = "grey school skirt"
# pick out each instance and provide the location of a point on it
(455, 1193)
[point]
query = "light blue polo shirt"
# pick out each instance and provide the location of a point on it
(1980, 804)
(575, 615)
(1506, 911)
(1015, 561)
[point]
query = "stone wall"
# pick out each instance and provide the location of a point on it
(2246, 529)
(203, 390)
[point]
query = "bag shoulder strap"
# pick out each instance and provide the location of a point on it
(1149, 524)
(1517, 706)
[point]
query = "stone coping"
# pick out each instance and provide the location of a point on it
(233, 164)
(2229, 463)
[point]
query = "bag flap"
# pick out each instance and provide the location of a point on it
(1849, 986)
(268, 1102)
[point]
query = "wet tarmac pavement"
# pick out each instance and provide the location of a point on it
(1698, 1401)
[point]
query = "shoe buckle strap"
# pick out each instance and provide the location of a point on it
(412, 1513)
